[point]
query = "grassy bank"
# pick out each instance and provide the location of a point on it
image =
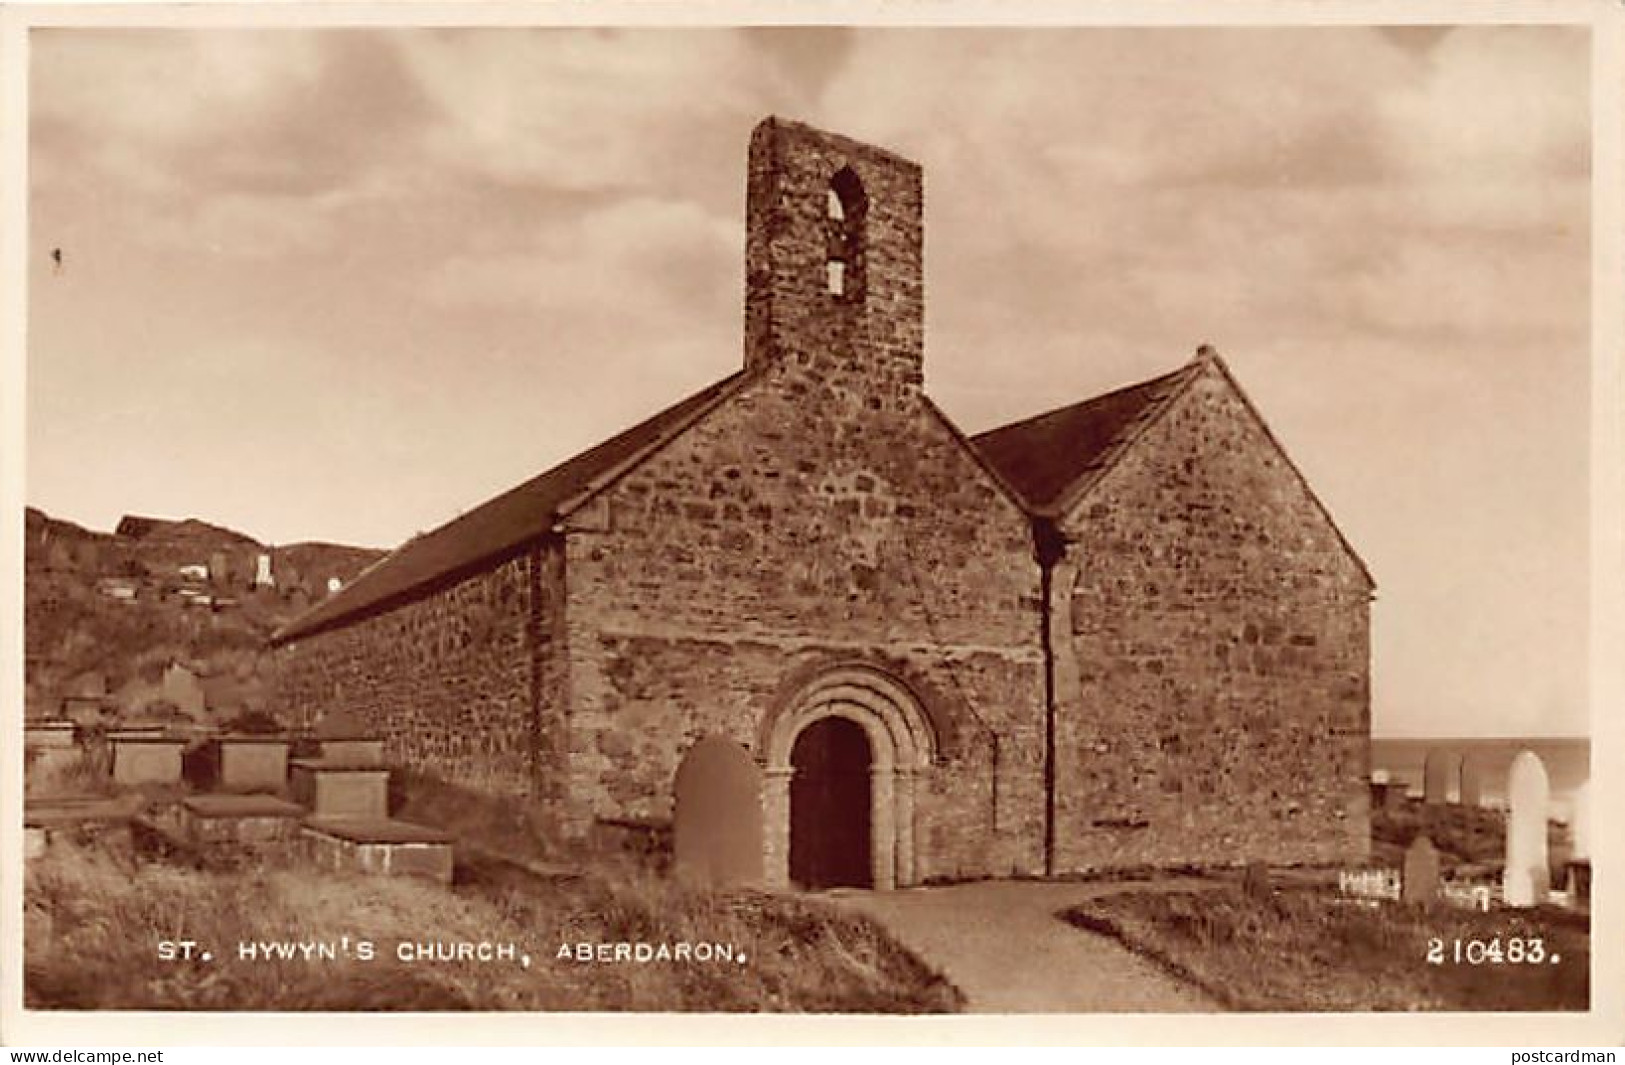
(95, 919)
(1303, 950)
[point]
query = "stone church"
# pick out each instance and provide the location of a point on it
(803, 616)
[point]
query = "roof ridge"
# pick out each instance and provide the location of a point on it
(1065, 408)
(1133, 428)
(1048, 454)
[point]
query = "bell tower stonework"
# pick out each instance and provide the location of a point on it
(834, 280)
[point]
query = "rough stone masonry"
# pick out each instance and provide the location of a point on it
(1124, 632)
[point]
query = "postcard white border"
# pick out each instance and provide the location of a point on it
(1604, 1024)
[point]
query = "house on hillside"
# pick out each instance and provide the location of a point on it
(1122, 632)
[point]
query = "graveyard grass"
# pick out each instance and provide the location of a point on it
(1301, 949)
(94, 918)
(96, 910)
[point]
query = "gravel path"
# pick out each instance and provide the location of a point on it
(1002, 943)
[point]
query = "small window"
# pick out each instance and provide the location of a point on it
(832, 207)
(844, 208)
(836, 277)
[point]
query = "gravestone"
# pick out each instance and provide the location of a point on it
(1420, 886)
(1255, 882)
(1577, 874)
(220, 569)
(91, 684)
(253, 763)
(1580, 821)
(140, 759)
(1436, 777)
(332, 790)
(344, 739)
(717, 827)
(341, 725)
(1472, 780)
(353, 751)
(1526, 877)
(182, 687)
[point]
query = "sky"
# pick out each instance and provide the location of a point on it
(345, 284)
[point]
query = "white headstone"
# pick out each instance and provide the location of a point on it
(1436, 777)
(1526, 877)
(262, 572)
(1580, 820)
(1472, 780)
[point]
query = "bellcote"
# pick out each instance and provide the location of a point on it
(834, 278)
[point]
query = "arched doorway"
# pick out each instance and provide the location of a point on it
(820, 816)
(829, 806)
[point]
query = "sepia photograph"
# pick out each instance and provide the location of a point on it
(816, 518)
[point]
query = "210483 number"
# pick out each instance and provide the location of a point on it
(1489, 952)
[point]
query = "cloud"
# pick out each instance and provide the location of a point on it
(1185, 185)
(242, 142)
(582, 110)
(1494, 103)
(644, 258)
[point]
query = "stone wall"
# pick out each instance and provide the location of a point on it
(1215, 704)
(825, 513)
(463, 682)
(877, 332)
(781, 532)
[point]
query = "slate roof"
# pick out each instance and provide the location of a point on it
(1052, 459)
(1044, 461)
(493, 529)
(1044, 456)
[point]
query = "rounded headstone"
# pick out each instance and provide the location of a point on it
(1436, 776)
(1420, 886)
(1526, 876)
(1472, 780)
(717, 827)
(1580, 821)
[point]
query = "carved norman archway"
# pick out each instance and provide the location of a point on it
(901, 743)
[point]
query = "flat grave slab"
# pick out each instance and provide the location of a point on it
(220, 805)
(49, 734)
(87, 818)
(380, 846)
(137, 730)
(247, 819)
(378, 830)
(352, 750)
(55, 812)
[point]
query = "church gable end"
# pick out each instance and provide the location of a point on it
(1211, 654)
(776, 536)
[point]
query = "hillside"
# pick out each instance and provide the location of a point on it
(161, 618)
